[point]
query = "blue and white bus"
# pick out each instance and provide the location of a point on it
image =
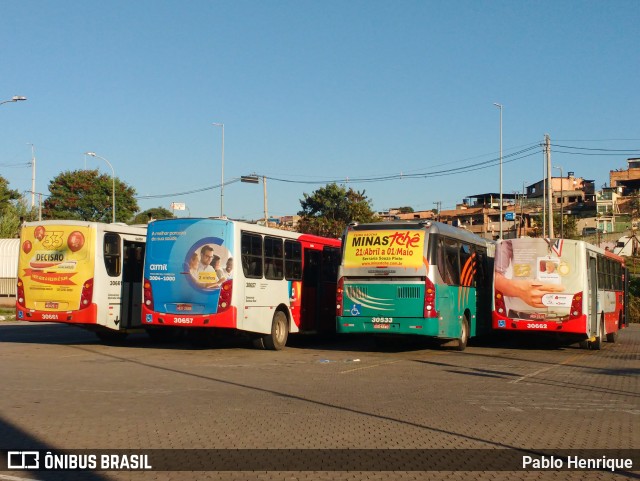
(209, 275)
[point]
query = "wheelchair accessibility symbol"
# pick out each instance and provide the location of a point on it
(355, 310)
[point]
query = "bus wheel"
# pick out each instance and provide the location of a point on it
(597, 344)
(464, 335)
(279, 332)
(613, 336)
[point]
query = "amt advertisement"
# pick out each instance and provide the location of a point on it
(188, 260)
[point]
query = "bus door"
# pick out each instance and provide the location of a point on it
(483, 293)
(592, 323)
(327, 290)
(310, 284)
(112, 250)
(131, 289)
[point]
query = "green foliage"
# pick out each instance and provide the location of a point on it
(569, 225)
(155, 213)
(7, 195)
(634, 299)
(405, 210)
(11, 215)
(87, 195)
(328, 210)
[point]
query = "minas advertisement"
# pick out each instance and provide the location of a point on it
(384, 248)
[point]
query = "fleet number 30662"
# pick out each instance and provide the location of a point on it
(536, 325)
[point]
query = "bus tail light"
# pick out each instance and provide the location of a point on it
(501, 307)
(576, 306)
(148, 295)
(87, 294)
(224, 302)
(339, 296)
(21, 293)
(429, 299)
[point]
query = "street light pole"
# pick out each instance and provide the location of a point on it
(15, 98)
(222, 176)
(500, 107)
(561, 200)
(113, 183)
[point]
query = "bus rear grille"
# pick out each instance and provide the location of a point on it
(409, 293)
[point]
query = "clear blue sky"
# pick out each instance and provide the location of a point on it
(316, 91)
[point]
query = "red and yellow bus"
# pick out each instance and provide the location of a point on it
(208, 276)
(83, 273)
(561, 286)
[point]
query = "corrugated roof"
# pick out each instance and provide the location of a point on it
(9, 251)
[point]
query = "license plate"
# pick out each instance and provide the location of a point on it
(382, 326)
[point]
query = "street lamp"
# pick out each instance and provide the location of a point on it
(561, 200)
(222, 176)
(500, 107)
(113, 183)
(15, 98)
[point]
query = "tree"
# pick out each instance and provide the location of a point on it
(154, 213)
(328, 210)
(11, 216)
(87, 195)
(405, 210)
(7, 195)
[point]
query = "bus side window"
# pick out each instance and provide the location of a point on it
(273, 258)
(292, 260)
(467, 277)
(451, 261)
(441, 262)
(112, 254)
(600, 272)
(330, 264)
(251, 255)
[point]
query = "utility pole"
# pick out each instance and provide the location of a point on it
(264, 192)
(33, 175)
(522, 211)
(438, 204)
(547, 149)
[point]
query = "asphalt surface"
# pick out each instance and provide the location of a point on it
(329, 409)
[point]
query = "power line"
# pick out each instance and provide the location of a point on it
(195, 191)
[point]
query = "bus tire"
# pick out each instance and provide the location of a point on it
(464, 334)
(277, 339)
(597, 344)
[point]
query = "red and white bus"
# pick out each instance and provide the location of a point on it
(207, 275)
(561, 286)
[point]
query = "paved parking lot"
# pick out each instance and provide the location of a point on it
(62, 389)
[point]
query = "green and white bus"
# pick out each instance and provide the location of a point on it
(415, 278)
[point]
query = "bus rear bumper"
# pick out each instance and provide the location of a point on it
(406, 325)
(226, 319)
(88, 315)
(572, 326)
